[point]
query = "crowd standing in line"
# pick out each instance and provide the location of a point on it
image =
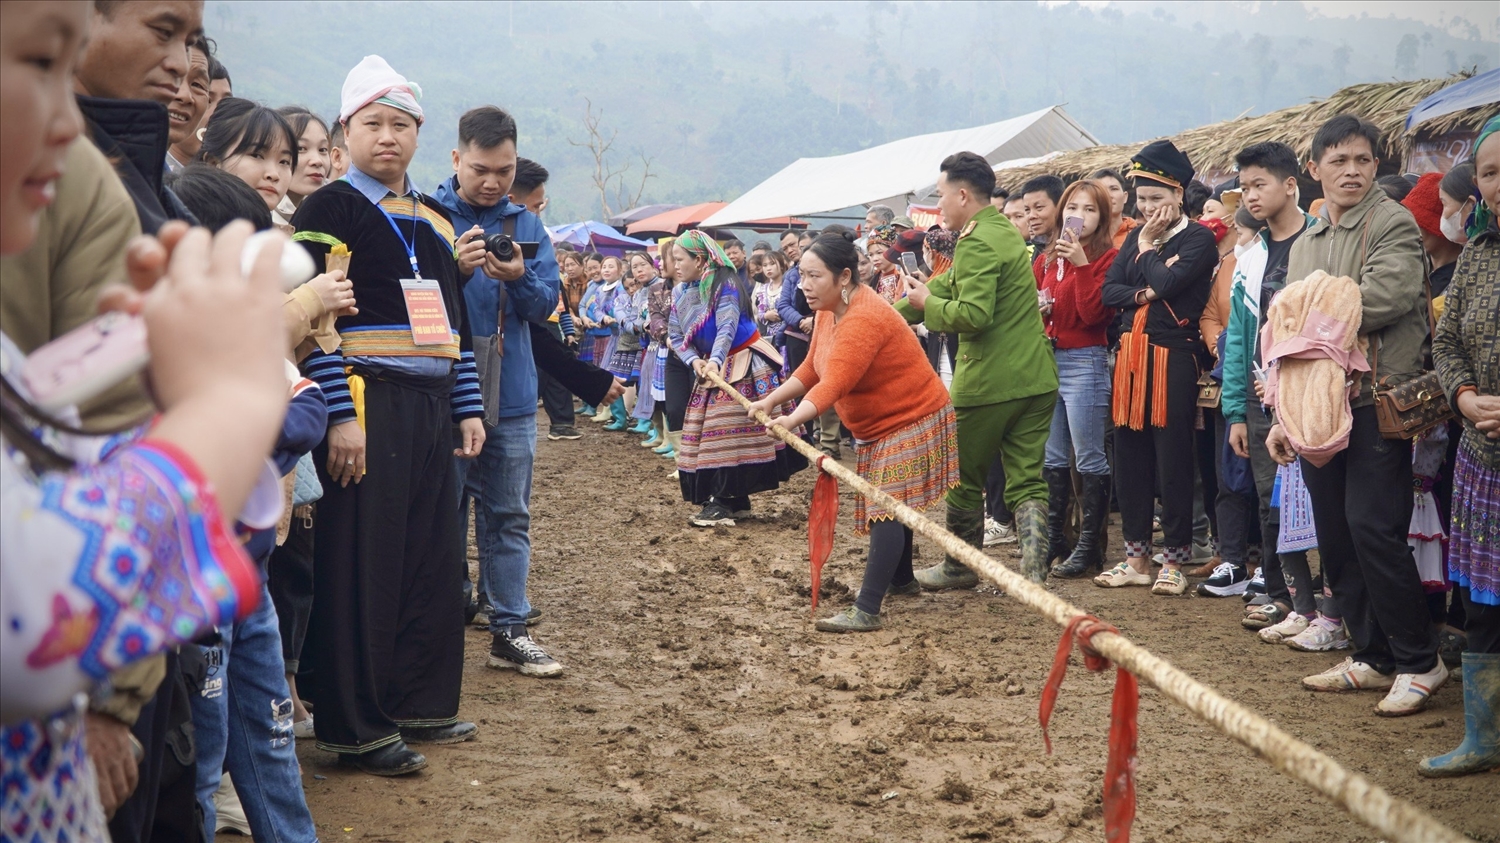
(1136, 338)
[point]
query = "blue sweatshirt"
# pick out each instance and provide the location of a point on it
(305, 425)
(532, 298)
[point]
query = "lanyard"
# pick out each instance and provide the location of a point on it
(411, 245)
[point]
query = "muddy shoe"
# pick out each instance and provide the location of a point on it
(852, 619)
(534, 616)
(518, 652)
(945, 575)
(713, 514)
(395, 759)
(1031, 528)
(451, 733)
(906, 589)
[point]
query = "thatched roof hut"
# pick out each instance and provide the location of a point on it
(1212, 148)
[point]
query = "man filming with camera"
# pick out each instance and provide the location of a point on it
(517, 282)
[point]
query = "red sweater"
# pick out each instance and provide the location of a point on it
(871, 368)
(1079, 319)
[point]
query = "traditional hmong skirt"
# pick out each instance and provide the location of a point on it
(653, 385)
(659, 373)
(596, 349)
(724, 454)
(1474, 534)
(916, 465)
(1425, 535)
(1298, 532)
(625, 364)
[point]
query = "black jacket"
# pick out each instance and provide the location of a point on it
(585, 380)
(132, 134)
(1182, 274)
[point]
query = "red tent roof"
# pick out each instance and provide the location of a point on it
(678, 220)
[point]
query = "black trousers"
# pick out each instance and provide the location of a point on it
(289, 579)
(679, 390)
(386, 639)
(556, 399)
(1361, 503)
(164, 807)
(1161, 457)
(1238, 520)
(994, 493)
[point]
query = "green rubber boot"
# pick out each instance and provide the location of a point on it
(968, 525)
(1480, 750)
(617, 411)
(1031, 532)
(852, 619)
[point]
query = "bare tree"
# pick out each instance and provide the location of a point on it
(607, 178)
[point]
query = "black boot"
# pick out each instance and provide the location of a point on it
(1059, 495)
(1088, 554)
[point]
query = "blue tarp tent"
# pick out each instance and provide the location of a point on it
(597, 236)
(1474, 92)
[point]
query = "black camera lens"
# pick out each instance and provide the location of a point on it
(501, 246)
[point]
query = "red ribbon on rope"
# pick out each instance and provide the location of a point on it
(1119, 770)
(821, 520)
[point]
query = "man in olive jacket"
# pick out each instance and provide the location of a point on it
(1005, 383)
(1362, 499)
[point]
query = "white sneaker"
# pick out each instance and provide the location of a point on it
(1349, 675)
(229, 813)
(997, 533)
(1293, 625)
(1410, 692)
(303, 729)
(1319, 638)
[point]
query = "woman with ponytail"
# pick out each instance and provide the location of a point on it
(722, 461)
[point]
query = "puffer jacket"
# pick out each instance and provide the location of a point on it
(1378, 244)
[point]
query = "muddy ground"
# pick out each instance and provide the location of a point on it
(700, 704)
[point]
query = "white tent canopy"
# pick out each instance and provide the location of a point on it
(906, 167)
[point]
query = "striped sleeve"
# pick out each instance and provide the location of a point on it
(466, 400)
(327, 371)
(565, 324)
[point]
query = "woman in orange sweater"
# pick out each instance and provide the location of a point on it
(866, 363)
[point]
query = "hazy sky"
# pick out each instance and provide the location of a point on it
(1482, 13)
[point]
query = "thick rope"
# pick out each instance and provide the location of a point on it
(1392, 817)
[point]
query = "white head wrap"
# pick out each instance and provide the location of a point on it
(373, 80)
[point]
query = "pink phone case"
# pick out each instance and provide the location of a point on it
(85, 361)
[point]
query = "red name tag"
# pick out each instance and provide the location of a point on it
(425, 311)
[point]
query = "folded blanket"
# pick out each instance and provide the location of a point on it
(1312, 345)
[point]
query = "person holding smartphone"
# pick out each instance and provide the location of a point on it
(1070, 280)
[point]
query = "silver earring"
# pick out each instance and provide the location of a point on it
(844, 294)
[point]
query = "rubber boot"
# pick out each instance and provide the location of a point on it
(588, 411)
(1031, 534)
(1088, 553)
(1480, 750)
(641, 426)
(603, 415)
(968, 525)
(654, 440)
(1059, 495)
(674, 444)
(617, 410)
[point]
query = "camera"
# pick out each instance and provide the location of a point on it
(501, 246)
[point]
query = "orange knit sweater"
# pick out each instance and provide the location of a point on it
(871, 368)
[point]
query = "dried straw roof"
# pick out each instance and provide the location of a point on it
(1212, 148)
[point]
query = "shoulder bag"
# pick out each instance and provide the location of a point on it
(489, 352)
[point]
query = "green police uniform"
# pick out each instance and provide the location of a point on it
(1005, 383)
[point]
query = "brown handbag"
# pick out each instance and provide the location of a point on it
(1408, 410)
(1209, 391)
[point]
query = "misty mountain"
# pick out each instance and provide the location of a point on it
(717, 96)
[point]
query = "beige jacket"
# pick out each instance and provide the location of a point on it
(1378, 244)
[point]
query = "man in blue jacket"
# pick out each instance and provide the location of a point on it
(499, 480)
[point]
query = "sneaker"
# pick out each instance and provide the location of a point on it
(1256, 586)
(563, 431)
(713, 514)
(997, 533)
(1410, 692)
(519, 652)
(1320, 637)
(1349, 675)
(1228, 579)
(1169, 581)
(907, 590)
(1293, 625)
(482, 617)
(534, 616)
(303, 729)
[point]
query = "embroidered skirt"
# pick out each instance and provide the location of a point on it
(1474, 534)
(916, 465)
(724, 454)
(1297, 529)
(653, 385)
(592, 349)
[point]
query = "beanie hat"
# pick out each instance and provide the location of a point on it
(1425, 204)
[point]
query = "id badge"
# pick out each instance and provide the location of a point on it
(425, 310)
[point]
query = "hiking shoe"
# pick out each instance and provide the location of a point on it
(563, 431)
(1227, 580)
(1292, 626)
(852, 619)
(1121, 575)
(1349, 675)
(997, 533)
(1319, 638)
(518, 652)
(1169, 581)
(713, 514)
(1256, 586)
(1410, 692)
(908, 589)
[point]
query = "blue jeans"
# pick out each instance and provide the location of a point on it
(499, 481)
(242, 723)
(1081, 416)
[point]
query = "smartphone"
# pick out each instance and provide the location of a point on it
(909, 263)
(1075, 225)
(86, 361)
